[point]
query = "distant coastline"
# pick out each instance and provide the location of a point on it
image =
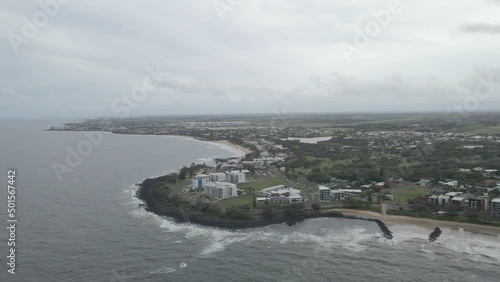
(391, 220)
(243, 150)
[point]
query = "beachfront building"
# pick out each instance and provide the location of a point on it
(280, 199)
(281, 194)
(337, 195)
(271, 190)
(479, 203)
(443, 199)
(236, 177)
(220, 190)
(433, 199)
(199, 181)
(458, 201)
(218, 177)
(324, 193)
(495, 206)
(295, 199)
(261, 200)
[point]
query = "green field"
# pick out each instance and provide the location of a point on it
(237, 201)
(476, 129)
(259, 185)
(403, 194)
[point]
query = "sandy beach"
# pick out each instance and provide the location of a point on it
(430, 224)
(246, 151)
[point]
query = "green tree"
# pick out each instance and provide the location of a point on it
(453, 210)
(316, 207)
(183, 173)
(269, 210)
(254, 201)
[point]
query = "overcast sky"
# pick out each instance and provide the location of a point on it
(258, 56)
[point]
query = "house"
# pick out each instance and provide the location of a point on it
(424, 181)
(490, 182)
(269, 191)
(295, 199)
(453, 194)
(452, 184)
(261, 200)
(443, 199)
(479, 203)
(324, 193)
(279, 199)
(495, 206)
(433, 199)
(352, 191)
(489, 172)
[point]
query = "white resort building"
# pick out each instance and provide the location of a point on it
(220, 190)
(324, 193)
(337, 195)
(495, 205)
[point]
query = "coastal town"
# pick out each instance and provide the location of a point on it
(420, 167)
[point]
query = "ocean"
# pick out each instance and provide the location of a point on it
(87, 225)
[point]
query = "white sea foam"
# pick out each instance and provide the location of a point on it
(164, 270)
(353, 239)
(219, 239)
(477, 247)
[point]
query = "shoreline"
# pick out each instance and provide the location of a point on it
(430, 224)
(243, 150)
(240, 148)
(389, 220)
(180, 214)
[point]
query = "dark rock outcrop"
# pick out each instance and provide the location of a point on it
(435, 235)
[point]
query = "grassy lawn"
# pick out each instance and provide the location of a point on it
(237, 201)
(402, 194)
(476, 129)
(257, 186)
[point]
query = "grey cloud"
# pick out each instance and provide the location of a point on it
(481, 28)
(264, 55)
